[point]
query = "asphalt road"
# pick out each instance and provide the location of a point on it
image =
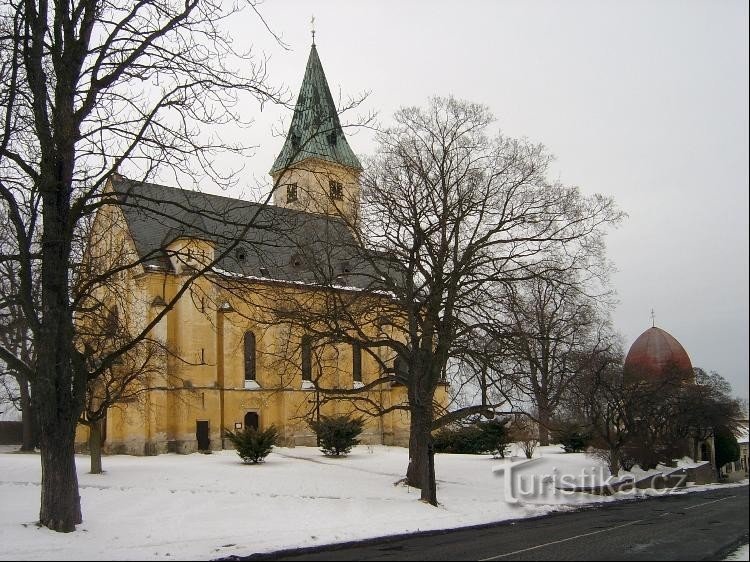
(696, 526)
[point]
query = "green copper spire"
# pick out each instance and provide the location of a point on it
(315, 131)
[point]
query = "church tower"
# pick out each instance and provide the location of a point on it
(316, 170)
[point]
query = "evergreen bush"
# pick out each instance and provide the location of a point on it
(476, 439)
(253, 445)
(338, 434)
(573, 437)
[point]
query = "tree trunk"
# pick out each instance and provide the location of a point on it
(60, 503)
(421, 471)
(543, 423)
(95, 447)
(58, 389)
(614, 462)
(28, 426)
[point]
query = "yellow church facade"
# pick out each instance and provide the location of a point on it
(229, 358)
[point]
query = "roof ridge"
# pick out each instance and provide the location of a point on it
(268, 205)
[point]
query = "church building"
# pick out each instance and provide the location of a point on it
(222, 360)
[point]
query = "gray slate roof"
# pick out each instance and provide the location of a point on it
(315, 131)
(280, 244)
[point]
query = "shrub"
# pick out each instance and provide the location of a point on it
(476, 439)
(573, 437)
(460, 440)
(726, 447)
(338, 434)
(253, 445)
(524, 432)
(496, 437)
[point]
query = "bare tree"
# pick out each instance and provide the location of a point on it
(553, 324)
(449, 216)
(603, 398)
(15, 335)
(90, 87)
(106, 323)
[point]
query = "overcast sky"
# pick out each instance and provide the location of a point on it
(644, 101)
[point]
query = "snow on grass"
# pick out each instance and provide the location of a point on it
(742, 553)
(186, 507)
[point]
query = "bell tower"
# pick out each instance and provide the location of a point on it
(316, 170)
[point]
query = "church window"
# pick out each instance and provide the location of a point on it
(249, 356)
(336, 190)
(306, 358)
(241, 256)
(291, 192)
(356, 362)
(332, 138)
(264, 271)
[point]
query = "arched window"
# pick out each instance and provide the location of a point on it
(249, 356)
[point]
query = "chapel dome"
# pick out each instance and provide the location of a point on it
(656, 353)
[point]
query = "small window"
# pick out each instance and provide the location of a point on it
(296, 261)
(346, 267)
(332, 138)
(264, 271)
(336, 190)
(291, 192)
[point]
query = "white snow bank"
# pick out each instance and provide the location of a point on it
(186, 507)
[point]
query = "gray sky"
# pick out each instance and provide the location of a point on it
(644, 101)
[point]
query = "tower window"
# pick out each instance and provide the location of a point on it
(336, 190)
(291, 192)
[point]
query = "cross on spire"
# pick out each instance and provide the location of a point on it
(653, 318)
(312, 28)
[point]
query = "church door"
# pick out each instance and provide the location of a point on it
(201, 434)
(251, 420)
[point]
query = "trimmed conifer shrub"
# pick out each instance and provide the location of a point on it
(253, 445)
(338, 434)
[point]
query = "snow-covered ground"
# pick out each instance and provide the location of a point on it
(742, 553)
(187, 507)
